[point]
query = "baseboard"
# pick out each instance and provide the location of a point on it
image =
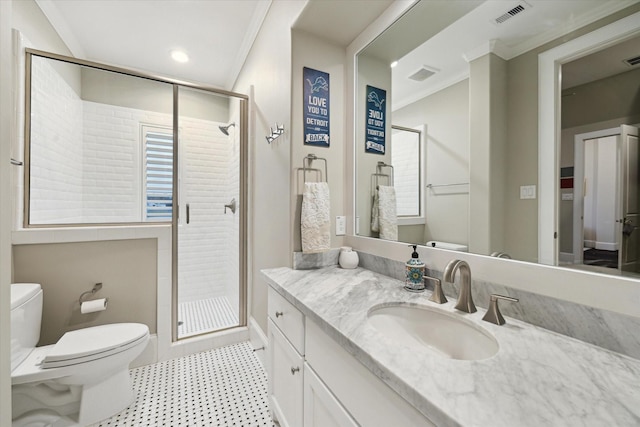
(607, 246)
(258, 340)
(566, 257)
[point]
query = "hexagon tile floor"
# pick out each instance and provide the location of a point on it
(221, 387)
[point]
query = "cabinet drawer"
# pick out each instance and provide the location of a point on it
(286, 379)
(288, 318)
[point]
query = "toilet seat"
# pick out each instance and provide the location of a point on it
(97, 342)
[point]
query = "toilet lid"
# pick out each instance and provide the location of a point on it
(93, 343)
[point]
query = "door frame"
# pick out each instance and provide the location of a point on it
(578, 187)
(243, 194)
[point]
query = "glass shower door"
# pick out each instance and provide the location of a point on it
(209, 249)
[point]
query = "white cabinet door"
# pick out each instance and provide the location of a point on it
(285, 377)
(321, 408)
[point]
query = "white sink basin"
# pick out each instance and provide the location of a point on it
(447, 334)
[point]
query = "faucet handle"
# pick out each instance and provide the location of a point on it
(438, 295)
(493, 314)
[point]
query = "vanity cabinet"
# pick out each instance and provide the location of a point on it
(285, 379)
(321, 408)
(286, 360)
(315, 382)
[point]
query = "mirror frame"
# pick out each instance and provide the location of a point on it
(578, 286)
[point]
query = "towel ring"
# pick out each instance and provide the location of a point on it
(382, 165)
(310, 158)
(375, 183)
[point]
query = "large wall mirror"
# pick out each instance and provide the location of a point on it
(466, 73)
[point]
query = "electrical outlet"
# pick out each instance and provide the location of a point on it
(341, 226)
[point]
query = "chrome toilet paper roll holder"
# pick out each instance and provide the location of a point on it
(85, 295)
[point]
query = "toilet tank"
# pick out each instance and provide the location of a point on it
(26, 318)
(447, 245)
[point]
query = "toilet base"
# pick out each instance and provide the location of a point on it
(106, 398)
(38, 404)
(43, 418)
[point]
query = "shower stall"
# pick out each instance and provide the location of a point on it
(106, 146)
(208, 227)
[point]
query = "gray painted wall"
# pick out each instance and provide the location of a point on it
(126, 268)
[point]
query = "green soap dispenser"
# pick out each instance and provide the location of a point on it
(414, 272)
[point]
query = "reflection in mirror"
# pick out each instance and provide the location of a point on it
(405, 159)
(396, 187)
(471, 80)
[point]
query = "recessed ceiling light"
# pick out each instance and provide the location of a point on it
(179, 56)
(394, 63)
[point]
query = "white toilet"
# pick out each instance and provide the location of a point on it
(447, 245)
(80, 380)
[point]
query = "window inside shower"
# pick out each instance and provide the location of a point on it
(105, 146)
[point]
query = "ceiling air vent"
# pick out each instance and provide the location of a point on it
(423, 73)
(632, 61)
(519, 8)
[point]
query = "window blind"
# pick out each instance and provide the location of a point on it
(159, 175)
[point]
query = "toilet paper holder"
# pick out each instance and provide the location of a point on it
(85, 295)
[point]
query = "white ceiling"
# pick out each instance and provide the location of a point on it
(339, 21)
(602, 64)
(216, 34)
(476, 34)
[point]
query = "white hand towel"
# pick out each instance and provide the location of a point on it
(375, 212)
(315, 217)
(387, 212)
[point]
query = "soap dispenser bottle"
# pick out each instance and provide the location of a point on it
(414, 272)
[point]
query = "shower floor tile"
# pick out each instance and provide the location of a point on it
(206, 315)
(221, 387)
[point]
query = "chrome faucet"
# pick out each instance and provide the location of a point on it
(465, 300)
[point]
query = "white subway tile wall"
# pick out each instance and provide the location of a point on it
(95, 175)
(56, 148)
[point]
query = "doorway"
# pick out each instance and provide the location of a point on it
(605, 199)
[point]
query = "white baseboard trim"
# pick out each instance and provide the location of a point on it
(258, 340)
(607, 246)
(566, 258)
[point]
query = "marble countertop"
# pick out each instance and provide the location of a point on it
(537, 378)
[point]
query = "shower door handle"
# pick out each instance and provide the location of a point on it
(231, 205)
(188, 213)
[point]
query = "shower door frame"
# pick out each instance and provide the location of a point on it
(242, 208)
(243, 101)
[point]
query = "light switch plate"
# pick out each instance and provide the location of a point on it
(527, 192)
(341, 225)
